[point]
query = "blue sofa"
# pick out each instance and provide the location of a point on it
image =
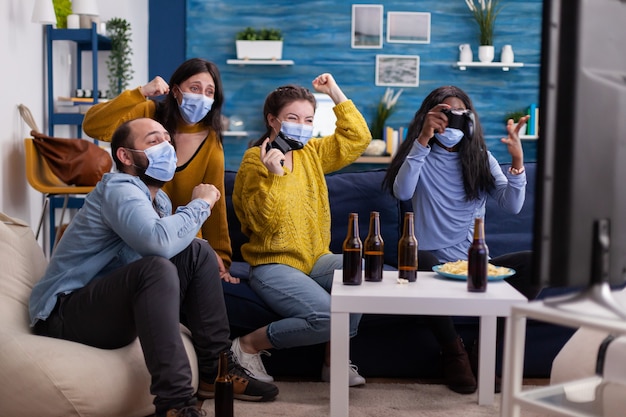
(386, 345)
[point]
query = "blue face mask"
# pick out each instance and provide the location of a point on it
(194, 107)
(300, 132)
(450, 137)
(161, 161)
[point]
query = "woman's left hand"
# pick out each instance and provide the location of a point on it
(513, 142)
(325, 83)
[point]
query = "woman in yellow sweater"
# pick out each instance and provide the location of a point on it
(281, 200)
(191, 112)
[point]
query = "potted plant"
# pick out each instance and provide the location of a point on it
(485, 14)
(265, 43)
(118, 63)
(62, 8)
(385, 108)
(516, 115)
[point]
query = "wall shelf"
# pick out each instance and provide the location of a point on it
(365, 159)
(504, 66)
(236, 133)
(243, 62)
(528, 137)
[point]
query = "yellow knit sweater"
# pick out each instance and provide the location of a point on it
(206, 166)
(287, 218)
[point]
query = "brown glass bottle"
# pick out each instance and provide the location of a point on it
(407, 250)
(477, 259)
(223, 389)
(374, 250)
(352, 249)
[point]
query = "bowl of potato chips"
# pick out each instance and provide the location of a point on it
(458, 270)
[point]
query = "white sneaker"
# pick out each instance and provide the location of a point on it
(354, 378)
(251, 362)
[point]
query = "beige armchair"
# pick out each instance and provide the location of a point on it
(41, 376)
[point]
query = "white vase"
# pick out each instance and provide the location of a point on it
(485, 53)
(465, 53)
(507, 56)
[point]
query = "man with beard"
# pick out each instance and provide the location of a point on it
(126, 267)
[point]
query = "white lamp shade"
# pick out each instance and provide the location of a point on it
(43, 13)
(89, 7)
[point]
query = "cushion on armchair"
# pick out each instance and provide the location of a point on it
(43, 376)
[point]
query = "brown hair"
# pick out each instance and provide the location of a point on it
(277, 100)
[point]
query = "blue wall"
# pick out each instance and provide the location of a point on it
(318, 37)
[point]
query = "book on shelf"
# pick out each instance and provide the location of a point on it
(393, 138)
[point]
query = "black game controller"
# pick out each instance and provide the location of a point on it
(284, 144)
(462, 120)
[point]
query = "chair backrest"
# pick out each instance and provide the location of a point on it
(41, 178)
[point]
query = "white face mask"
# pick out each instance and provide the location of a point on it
(297, 131)
(194, 107)
(161, 161)
(450, 137)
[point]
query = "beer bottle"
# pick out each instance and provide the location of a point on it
(407, 250)
(374, 250)
(223, 389)
(352, 246)
(477, 259)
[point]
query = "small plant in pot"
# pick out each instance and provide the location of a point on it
(485, 13)
(516, 116)
(119, 63)
(265, 43)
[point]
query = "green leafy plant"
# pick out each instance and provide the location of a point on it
(385, 108)
(515, 115)
(485, 14)
(119, 63)
(62, 8)
(264, 34)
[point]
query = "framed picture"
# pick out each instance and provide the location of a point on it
(398, 70)
(408, 27)
(367, 26)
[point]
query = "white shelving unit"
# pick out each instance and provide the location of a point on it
(559, 399)
(504, 66)
(243, 62)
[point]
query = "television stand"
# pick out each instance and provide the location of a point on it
(599, 290)
(599, 294)
(559, 399)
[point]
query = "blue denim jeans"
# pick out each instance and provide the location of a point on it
(303, 300)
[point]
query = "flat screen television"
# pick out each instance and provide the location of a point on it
(580, 215)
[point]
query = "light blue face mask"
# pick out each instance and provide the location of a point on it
(194, 107)
(300, 132)
(161, 161)
(450, 137)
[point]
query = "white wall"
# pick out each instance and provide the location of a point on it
(22, 80)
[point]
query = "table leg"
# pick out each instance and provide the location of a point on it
(339, 356)
(513, 371)
(487, 360)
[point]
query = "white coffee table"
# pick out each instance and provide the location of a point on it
(429, 295)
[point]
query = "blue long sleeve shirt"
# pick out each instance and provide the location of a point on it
(444, 219)
(118, 224)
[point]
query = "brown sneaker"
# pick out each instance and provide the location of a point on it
(245, 387)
